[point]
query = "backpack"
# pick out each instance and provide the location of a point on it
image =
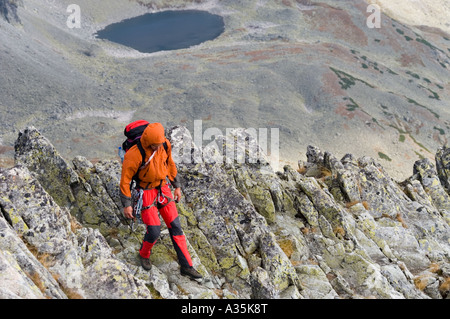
(133, 133)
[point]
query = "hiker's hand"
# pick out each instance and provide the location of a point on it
(128, 212)
(177, 194)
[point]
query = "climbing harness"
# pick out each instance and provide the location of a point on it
(160, 201)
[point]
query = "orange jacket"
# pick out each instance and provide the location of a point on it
(159, 167)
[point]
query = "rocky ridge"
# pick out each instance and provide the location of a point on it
(328, 229)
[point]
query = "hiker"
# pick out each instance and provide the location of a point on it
(157, 196)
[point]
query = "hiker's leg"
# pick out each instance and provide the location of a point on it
(151, 219)
(170, 215)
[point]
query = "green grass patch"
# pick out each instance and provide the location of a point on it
(346, 80)
(425, 42)
(418, 104)
(391, 72)
(352, 106)
(441, 131)
(434, 95)
(420, 155)
(384, 156)
(414, 75)
(409, 134)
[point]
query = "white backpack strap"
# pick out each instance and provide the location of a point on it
(146, 163)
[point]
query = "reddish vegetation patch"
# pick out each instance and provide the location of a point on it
(187, 67)
(227, 57)
(337, 22)
(293, 50)
(411, 60)
(331, 84)
(273, 51)
(439, 138)
(259, 55)
(344, 112)
(201, 56)
(343, 109)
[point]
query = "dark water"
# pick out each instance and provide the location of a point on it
(167, 30)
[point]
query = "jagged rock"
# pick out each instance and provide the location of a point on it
(37, 153)
(443, 166)
(80, 259)
(315, 282)
(23, 275)
(426, 173)
(332, 229)
(78, 188)
(14, 282)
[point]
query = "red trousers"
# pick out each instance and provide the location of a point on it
(170, 215)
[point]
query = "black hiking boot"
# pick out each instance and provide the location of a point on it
(190, 272)
(145, 263)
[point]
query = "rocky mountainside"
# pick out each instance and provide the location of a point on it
(328, 229)
(312, 69)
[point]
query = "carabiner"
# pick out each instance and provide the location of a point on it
(160, 196)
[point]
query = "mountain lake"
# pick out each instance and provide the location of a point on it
(164, 31)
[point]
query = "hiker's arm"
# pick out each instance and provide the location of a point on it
(128, 212)
(177, 194)
(126, 200)
(129, 167)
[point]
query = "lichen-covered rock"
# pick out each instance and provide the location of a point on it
(76, 187)
(52, 171)
(51, 245)
(93, 200)
(443, 166)
(331, 229)
(425, 172)
(315, 282)
(22, 274)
